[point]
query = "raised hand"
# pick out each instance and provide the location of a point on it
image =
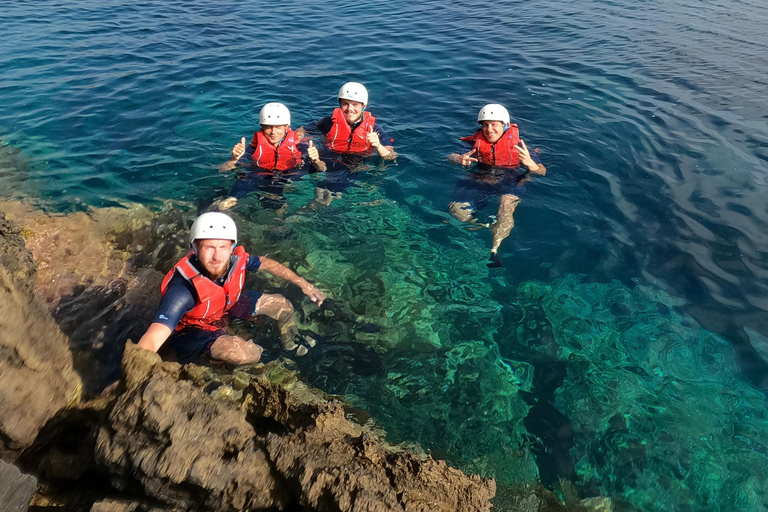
(314, 157)
(373, 138)
(312, 152)
(467, 158)
(525, 156)
(239, 149)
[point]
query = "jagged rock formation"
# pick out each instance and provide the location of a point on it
(95, 275)
(36, 375)
(268, 449)
(16, 489)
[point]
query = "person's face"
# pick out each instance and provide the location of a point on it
(352, 110)
(274, 133)
(214, 255)
(493, 130)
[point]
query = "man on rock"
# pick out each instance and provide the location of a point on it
(205, 288)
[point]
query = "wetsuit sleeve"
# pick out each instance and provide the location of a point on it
(322, 126)
(384, 137)
(178, 299)
(254, 263)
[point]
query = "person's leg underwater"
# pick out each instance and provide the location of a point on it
(281, 310)
(500, 229)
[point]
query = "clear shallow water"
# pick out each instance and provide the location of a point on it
(651, 118)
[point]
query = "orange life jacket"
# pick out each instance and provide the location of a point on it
(212, 300)
(342, 139)
(281, 158)
(501, 154)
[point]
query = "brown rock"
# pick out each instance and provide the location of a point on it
(36, 375)
(115, 506)
(14, 256)
(184, 447)
(112, 505)
(269, 450)
(94, 273)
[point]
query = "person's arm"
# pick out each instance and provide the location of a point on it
(155, 336)
(178, 299)
(283, 272)
(530, 161)
(237, 152)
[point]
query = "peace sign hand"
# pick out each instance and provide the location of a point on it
(467, 158)
(525, 156)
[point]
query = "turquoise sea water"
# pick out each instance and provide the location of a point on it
(620, 346)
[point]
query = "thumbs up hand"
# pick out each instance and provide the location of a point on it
(314, 157)
(312, 152)
(239, 149)
(373, 138)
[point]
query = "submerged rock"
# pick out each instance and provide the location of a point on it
(268, 450)
(660, 417)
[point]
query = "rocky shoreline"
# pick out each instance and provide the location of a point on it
(175, 437)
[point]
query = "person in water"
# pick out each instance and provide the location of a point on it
(503, 163)
(276, 155)
(205, 289)
(351, 134)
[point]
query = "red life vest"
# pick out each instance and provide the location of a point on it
(501, 154)
(342, 139)
(281, 158)
(212, 300)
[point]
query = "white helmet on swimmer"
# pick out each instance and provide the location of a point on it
(354, 91)
(493, 112)
(214, 225)
(274, 114)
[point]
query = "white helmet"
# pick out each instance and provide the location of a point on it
(493, 112)
(354, 91)
(214, 225)
(274, 114)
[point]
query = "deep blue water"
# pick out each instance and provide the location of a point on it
(651, 117)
